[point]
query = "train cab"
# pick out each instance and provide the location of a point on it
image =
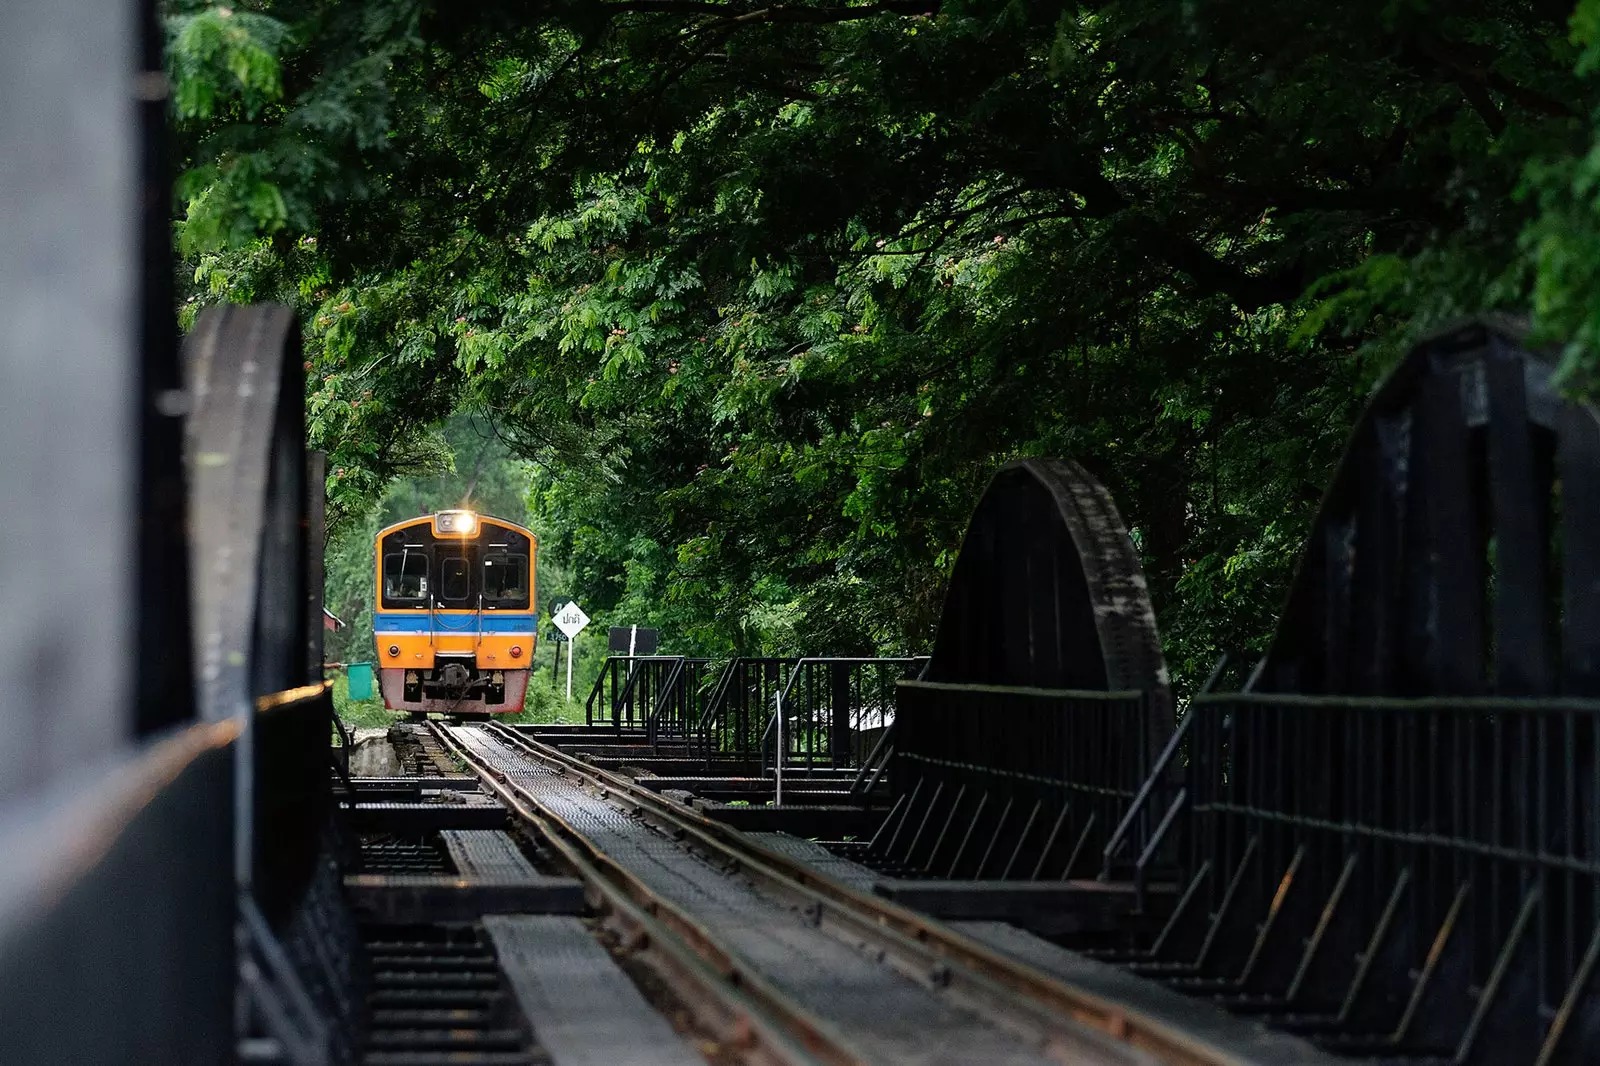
(454, 621)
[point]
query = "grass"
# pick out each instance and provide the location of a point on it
(541, 706)
(544, 705)
(360, 714)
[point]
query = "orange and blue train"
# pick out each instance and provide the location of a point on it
(455, 625)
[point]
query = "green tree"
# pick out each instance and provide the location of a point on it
(766, 291)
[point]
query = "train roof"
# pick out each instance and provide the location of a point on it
(477, 516)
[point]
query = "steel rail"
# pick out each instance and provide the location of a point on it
(730, 999)
(1010, 994)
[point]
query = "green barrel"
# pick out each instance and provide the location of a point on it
(360, 675)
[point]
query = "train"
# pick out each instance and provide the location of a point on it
(454, 623)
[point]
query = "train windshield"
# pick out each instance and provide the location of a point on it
(405, 576)
(505, 580)
(455, 578)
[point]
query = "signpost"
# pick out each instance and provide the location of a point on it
(570, 619)
(634, 640)
(557, 639)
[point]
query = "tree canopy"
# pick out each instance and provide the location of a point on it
(767, 290)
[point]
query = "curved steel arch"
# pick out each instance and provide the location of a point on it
(252, 561)
(247, 476)
(1457, 551)
(1047, 590)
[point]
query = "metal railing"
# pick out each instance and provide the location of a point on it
(657, 695)
(1062, 769)
(1155, 816)
(738, 707)
(1425, 871)
(831, 713)
(831, 710)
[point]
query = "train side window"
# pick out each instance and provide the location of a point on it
(405, 576)
(505, 579)
(455, 578)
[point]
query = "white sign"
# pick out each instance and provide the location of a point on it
(571, 619)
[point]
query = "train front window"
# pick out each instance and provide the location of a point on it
(455, 579)
(405, 576)
(505, 580)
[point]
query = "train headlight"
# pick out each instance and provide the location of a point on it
(516, 651)
(394, 651)
(462, 522)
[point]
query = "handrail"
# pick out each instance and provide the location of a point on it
(663, 696)
(627, 693)
(728, 690)
(1119, 836)
(621, 698)
(1141, 866)
(872, 761)
(594, 694)
(886, 660)
(625, 697)
(799, 667)
(715, 701)
(775, 724)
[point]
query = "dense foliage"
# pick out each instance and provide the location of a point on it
(767, 290)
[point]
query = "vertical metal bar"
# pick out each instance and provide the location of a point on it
(1572, 821)
(809, 735)
(778, 758)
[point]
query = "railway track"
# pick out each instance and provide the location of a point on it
(791, 964)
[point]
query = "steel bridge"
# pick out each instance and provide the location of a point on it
(1382, 847)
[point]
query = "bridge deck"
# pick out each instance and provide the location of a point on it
(583, 1009)
(888, 1016)
(1245, 1040)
